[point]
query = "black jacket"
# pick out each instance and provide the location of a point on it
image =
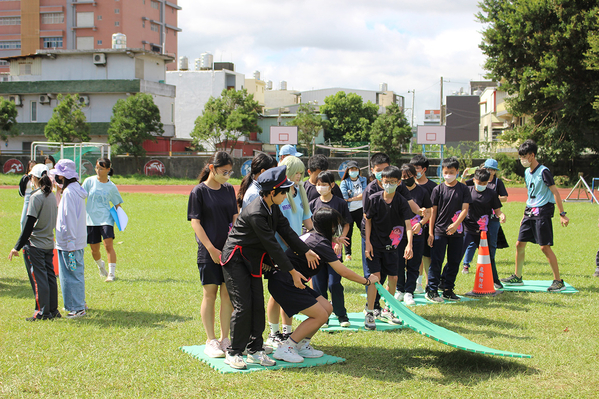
(253, 235)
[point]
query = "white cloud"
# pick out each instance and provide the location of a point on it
(351, 43)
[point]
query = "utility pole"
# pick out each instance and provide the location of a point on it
(413, 91)
(441, 104)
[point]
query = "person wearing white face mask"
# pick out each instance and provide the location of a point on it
(485, 201)
(536, 225)
(352, 186)
(328, 277)
(451, 200)
(212, 210)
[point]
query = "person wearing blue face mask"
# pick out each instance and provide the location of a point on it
(352, 186)
(485, 203)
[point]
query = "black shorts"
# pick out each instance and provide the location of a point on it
(211, 273)
(384, 262)
(292, 299)
(537, 231)
(95, 234)
(427, 248)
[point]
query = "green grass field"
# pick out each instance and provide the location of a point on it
(128, 345)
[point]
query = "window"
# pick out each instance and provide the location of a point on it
(10, 21)
(53, 18)
(85, 43)
(11, 44)
(99, 17)
(143, 24)
(155, 5)
(85, 19)
(155, 28)
(52, 42)
(117, 23)
(33, 111)
(117, 11)
(99, 42)
(24, 69)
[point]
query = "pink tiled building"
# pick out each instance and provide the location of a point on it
(29, 25)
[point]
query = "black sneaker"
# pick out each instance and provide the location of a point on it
(56, 314)
(512, 280)
(498, 286)
(557, 286)
(450, 296)
(433, 296)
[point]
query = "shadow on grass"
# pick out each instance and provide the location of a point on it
(458, 324)
(164, 280)
(131, 319)
(15, 288)
(394, 365)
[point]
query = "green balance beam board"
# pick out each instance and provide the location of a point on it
(537, 286)
(357, 323)
(421, 300)
(438, 333)
(219, 365)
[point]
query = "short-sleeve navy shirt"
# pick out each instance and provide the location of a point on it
(422, 198)
(336, 203)
(449, 201)
(388, 221)
(480, 210)
(318, 244)
(429, 186)
(215, 210)
(312, 193)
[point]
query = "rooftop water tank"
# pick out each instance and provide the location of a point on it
(283, 85)
(206, 61)
(257, 75)
(119, 41)
(383, 87)
(269, 85)
(183, 63)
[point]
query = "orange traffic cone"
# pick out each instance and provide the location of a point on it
(483, 283)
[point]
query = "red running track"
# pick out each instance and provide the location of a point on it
(516, 194)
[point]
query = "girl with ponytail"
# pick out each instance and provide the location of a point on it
(25, 189)
(100, 223)
(37, 242)
(249, 190)
(212, 210)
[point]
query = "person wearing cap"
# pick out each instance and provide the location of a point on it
(37, 242)
(71, 237)
(287, 150)
(251, 249)
(494, 227)
(352, 186)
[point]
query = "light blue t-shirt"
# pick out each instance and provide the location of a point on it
(537, 184)
(99, 197)
(295, 219)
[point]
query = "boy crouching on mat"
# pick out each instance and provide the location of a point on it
(536, 225)
(387, 220)
(485, 201)
(250, 246)
(295, 297)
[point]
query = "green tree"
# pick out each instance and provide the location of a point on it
(538, 51)
(68, 122)
(8, 118)
(349, 117)
(308, 122)
(391, 133)
(227, 118)
(134, 120)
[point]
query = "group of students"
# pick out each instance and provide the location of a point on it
(55, 202)
(293, 233)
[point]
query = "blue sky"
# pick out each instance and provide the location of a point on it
(355, 44)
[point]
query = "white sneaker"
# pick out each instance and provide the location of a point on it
(260, 358)
(102, 269)
(274, 340)
(213, 349)
(304, 349)
(408, 299)
(388, 317)
(110, 278)
(419, 289)
(225, 344)
(399, 295)
(235, 362)
(369, 322)
(287, 353)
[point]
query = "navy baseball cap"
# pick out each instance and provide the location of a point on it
(274, 178)
(289, 149)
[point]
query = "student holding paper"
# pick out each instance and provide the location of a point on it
(100, 223)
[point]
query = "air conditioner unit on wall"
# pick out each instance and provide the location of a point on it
(99, 58)
(15, 99)
(84, 100)
(44, 99)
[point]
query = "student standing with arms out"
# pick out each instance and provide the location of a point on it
(328, 277)
(249, 189)
(451, 200)
(485, 204)
(408, 269)
(303, 299)
(37, 242)
(100, 224)
(421, 164)
(71, 237)
(536, 225)
(25, 188)
(212, 210)
(297, 211)
(352, 186)
(250, 246)
(386, 221)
